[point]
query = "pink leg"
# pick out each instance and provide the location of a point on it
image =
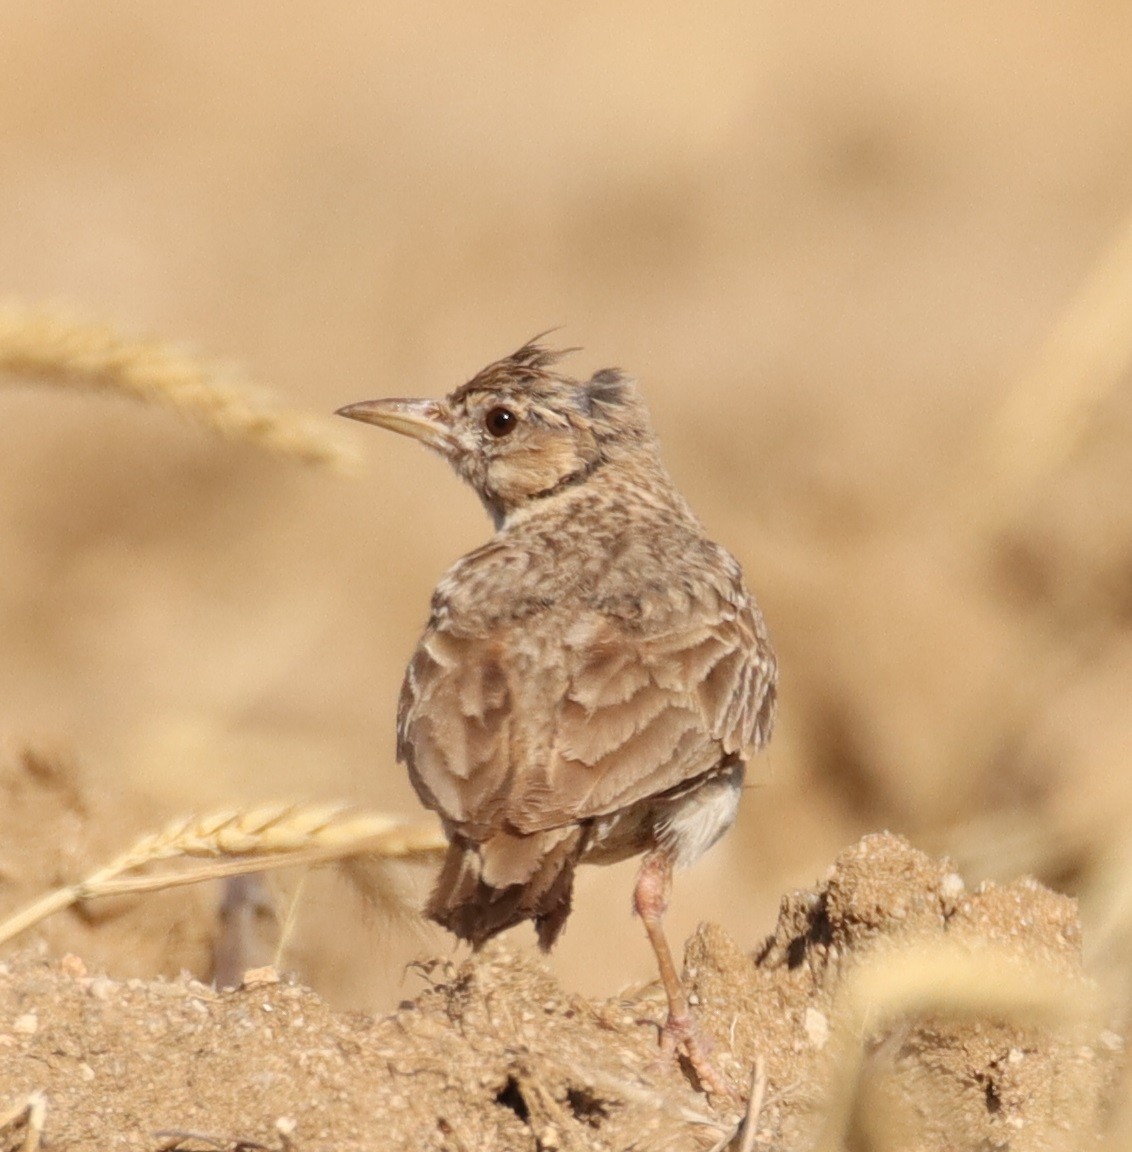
(679, 1034)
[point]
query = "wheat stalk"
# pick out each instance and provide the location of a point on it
(1055, 402)
(233, 842)
(51, 348)
(31, 1114)
(947, 979)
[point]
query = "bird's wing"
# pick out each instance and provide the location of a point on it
(454, 725)
(646, 712)
(508, 731)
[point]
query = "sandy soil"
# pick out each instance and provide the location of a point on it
(493, 1052)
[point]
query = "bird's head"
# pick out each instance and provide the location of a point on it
(518, 431)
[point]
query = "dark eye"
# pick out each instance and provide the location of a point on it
(500, 421)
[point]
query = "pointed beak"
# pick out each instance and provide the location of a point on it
(425, 420)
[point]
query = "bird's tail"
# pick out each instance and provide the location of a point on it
(486, 888)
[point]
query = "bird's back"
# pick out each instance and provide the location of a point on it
(594, 655)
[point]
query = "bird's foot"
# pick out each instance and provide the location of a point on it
(681, 1037)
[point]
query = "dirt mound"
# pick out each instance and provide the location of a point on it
(494, 1053)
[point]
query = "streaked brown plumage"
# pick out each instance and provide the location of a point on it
(593, 679)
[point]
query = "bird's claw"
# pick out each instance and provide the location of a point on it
(680, 1036)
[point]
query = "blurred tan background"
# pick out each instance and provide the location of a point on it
(831, 241)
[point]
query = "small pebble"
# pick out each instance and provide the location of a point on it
(73, 966)
(254, 977)
(26, 1025)
(817, 1027)
(101, 988)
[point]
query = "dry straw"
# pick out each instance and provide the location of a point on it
(1057, 400)
(50, 348)
(231, 843)
(937, 980)
(30, 1115)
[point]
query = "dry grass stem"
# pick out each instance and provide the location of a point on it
(755, 1105)
(959, 982)
(274, 836)
(290, 923)
(1053, 403)
(1108, 903)
(175, 1140)
(53, 349)
(651, 1098)
(945, 980)
(31, 1113)
(746, 1131)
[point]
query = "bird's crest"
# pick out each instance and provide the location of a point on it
(534, 362)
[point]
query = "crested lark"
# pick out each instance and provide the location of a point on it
(593, 679)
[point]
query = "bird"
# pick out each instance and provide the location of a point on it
(592, 681)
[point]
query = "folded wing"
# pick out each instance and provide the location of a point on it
(502, 733)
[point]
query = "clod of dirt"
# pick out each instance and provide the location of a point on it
(493, 1053)
(947, 1076)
